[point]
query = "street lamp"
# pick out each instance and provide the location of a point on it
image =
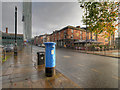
(15, 48)
(86, 24)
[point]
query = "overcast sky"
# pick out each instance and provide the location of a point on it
(46, 16)
(8, 16)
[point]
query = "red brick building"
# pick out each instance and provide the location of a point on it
(48, 38)
(39, 40)
(36, 40)
(68, 35)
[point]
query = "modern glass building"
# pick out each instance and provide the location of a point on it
(27, 20)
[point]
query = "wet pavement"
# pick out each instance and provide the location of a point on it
(87, 70)
(74, 69)
(109, 53)
(22, 72)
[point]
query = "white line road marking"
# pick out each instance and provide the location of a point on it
(66, 56)
(115, 77)
(80, 65)
(95, 70)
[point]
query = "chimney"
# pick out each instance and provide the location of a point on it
(6, 30)
(77, 26)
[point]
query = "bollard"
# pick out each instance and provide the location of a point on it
(15, 50)
(50, 59)
(41, 58)
(4, 54)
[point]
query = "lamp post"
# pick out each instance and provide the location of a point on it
(86, 25)
(15, 48)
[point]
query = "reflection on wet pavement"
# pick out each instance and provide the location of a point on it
(22, 72)
(87, 70)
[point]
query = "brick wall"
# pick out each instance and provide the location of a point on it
(57, 36)
(78, 34)
(69, 33)
(84, 35)
(48, 38)
(51, 37)
(41, 40)
(62, 34)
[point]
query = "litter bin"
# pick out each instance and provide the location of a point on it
(41, 58)
(50, 58)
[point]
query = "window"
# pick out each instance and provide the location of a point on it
(64, 36)
(52, 38)
(72, 30)
(81, 35)
(59, 35)
(106, 40)
(55, 36)
(72, 36)
(64, 31)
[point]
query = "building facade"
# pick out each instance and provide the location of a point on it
(9, 38)
(27, 20)
(39, 40)
(36, 40)
(68, 35)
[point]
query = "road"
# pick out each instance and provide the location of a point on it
(21, 72)
(87, 70)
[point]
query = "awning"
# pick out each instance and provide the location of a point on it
(88, 41)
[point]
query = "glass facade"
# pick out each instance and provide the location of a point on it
(27, 20)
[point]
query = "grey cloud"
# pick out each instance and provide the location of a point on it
(8, 16)
(56, 15)
(46, 16)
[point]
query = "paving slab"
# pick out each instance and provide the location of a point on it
(24, 73)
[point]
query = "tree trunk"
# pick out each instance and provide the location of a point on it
(109, 40)
(91, 35)
(113, 40)
(96, 37)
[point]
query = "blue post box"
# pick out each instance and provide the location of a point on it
(50, 59)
